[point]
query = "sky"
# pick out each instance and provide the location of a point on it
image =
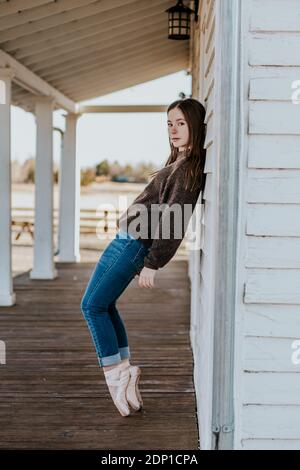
(128, 138)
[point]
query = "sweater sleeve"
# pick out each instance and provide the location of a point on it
(177, 207)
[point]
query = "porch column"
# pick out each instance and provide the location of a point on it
(43, 259)
(69, 196)
(7, 296)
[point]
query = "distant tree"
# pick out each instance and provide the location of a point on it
(30, 176)
(127, 170)
(56, 174)
(138, 173)
(28, 171)
(115, 168)
(16, 172)
(103, 168)
(87, 176)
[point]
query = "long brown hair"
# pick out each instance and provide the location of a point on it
(195, 153)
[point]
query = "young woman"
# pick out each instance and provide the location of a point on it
(139, 248)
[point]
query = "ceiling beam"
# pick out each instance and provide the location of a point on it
(25, 78)
(159, 108)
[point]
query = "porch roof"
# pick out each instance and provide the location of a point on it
(76, 50)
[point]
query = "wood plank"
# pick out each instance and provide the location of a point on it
(276, 286)
(272, 320)
(94, 26)
(120, 15)
(282, 15)
(272, 252)
(271, 388)
(262, 422)
(10, 8)
(274, 89)
(281, 49)
(53, 392)
(51, 19)
(270, 444)
(280, 220)
(210, 160)
(280, 118)
(274, 151)
(107, 33)
(263, 354)
(273, 186)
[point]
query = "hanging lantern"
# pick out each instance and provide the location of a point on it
(179, 20)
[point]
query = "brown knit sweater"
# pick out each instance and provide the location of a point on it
(159, 215)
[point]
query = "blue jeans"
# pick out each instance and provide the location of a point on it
(119, 263)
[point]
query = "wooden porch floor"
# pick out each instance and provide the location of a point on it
(53, 393)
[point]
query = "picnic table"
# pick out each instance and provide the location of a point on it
(91, 221)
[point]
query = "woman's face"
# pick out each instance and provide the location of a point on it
(178, 129)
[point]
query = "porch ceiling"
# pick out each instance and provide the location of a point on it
(88, 48)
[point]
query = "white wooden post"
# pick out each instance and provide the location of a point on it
(69, 196)
(7, 296)
(43, 262)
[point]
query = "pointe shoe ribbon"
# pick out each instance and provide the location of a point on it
(133, 395)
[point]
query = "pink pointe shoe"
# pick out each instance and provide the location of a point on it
(117, 380)
(133, 395)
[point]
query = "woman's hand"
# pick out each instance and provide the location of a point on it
(146, 277)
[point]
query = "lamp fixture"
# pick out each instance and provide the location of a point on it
(179, 20)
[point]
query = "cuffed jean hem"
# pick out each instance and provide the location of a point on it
(109, 360)
(124, 352)
(115, 358)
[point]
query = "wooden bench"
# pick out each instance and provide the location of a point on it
(91, 221)
(22, 221)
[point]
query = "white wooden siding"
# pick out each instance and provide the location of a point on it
(273, 220)
(272, 151)
(271, 118)
(267, 381)
(202, 278)
(273, 186)
(274, 421)
(273, 252)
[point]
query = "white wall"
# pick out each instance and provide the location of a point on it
(267, 383)
(202, 262)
